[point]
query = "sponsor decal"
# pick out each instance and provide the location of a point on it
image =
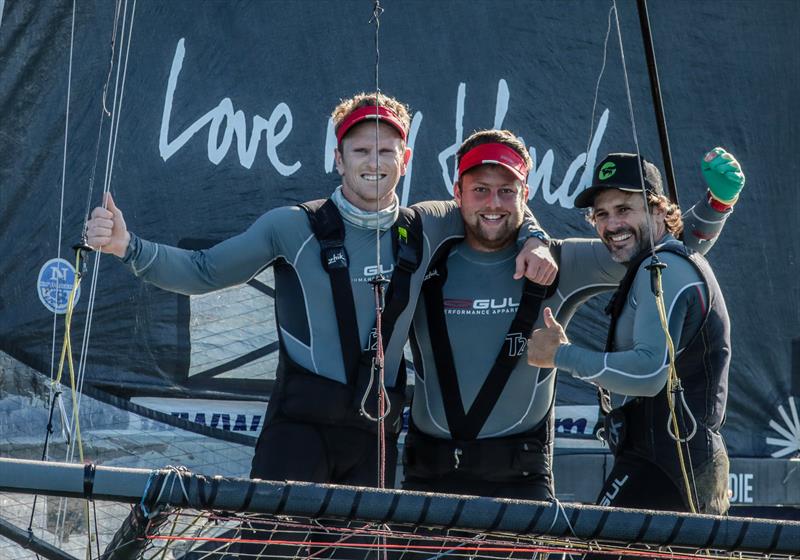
(613, 432)
(402, 234)
(789, 430)
(337, 257)
(56, 279)
(740, 486)
(571, 425)
(231, 416)
(607, 171)
(486, 306)
(372, 341)
(517, 344)
(374, 269)
(609, 496)
(221, 421)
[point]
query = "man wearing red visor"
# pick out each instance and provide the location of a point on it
(482, 416)
(318, 425)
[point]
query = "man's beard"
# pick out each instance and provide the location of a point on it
(625, 254)
(496, 240)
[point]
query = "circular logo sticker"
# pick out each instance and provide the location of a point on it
(607, 170)
(56, 280)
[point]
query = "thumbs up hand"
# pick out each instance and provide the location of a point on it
(106, 230)
(544, 343)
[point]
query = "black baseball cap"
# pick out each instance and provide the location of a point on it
(622, 172)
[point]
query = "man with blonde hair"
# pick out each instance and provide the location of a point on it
(319, 424)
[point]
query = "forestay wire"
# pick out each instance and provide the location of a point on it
(655, 267)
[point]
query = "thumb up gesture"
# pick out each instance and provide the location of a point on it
(544, 342)
(106, 230)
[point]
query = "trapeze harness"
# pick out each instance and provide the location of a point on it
(305, 396)
(639, 426)
(493, 459)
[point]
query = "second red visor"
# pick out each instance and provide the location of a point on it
(494, 153)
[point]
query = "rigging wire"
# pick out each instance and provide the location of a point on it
(378, 282)
(73, 433)
(599, 79)
(655, 267)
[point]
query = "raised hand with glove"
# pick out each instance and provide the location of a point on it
(724, 178)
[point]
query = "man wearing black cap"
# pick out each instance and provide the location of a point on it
(482, 418)
(672, 426)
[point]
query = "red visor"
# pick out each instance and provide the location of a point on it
(370, 112)
(498, 154)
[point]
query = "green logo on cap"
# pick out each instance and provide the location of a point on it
(607, 170)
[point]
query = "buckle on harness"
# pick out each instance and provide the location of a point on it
(333, 255)
(457, 452)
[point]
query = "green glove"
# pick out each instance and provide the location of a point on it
(723, 175)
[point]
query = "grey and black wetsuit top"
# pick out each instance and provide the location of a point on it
(480, 299)
(639, 365)
(304, 303)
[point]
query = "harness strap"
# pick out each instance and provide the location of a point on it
(617, 304)
(407, 245)
(328, 228)
(466, 425)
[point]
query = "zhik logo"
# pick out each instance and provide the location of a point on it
(337, 257)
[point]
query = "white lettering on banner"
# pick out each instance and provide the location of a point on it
(451, 150)
(226, 123)
(235, 125)
(741, 487)
(541, 173)
(540, 177)
(412, 139)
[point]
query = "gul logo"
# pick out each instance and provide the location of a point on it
(607, 171)
(56, 279)
(482, 304)
(432, 274)
(499, 303)
(609, 496)
(372, 270)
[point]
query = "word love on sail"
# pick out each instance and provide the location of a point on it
(223, 119)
